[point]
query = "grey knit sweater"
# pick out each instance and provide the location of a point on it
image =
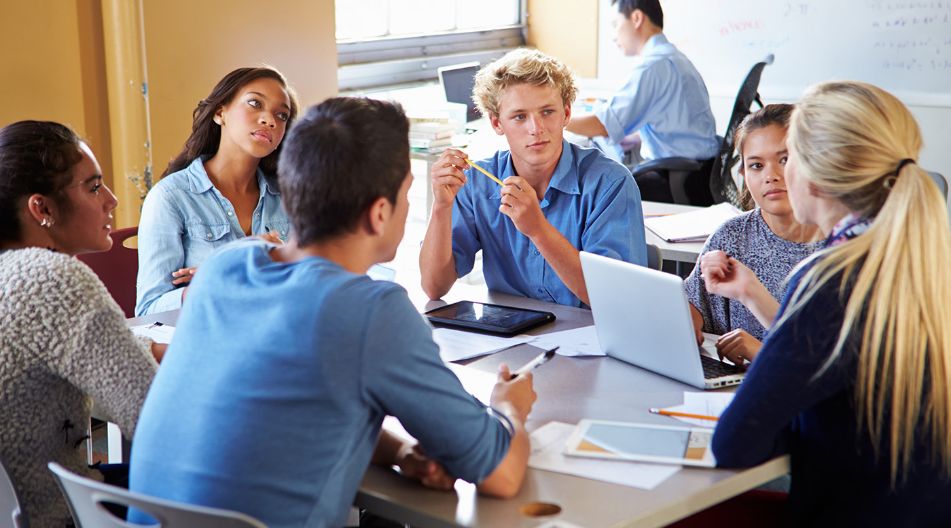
(63, 341)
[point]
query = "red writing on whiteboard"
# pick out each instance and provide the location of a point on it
(739, 26)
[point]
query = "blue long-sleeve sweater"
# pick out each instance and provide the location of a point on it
(781, 408)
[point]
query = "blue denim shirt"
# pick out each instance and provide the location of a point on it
(592, 201)
(184, 219)
(667, 101)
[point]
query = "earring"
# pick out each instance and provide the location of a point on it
(217, 120)
(46, 222)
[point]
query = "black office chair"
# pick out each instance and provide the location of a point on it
(722, 186)
(705, 182)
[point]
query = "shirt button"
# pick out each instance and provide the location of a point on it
(229, 213)
(208, 235)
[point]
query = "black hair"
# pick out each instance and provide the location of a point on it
(651, 8)
(340, 157)
(206, 134)
(36, 157)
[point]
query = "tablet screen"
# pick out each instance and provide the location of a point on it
(651, 443)
(489, 317)
(625, 440)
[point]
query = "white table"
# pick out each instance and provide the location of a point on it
(680, 252)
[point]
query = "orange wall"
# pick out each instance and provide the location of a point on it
(568, 30)
(190, 45)
(53, 68)
(53, 63)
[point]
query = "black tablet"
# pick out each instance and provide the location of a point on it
(492, 318)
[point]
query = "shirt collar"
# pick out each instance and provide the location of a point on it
(848, 228)
(200, 182)
(563, 179)
(653, 43)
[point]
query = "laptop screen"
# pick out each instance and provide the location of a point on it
(457, 82)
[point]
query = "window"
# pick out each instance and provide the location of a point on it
(391, 41)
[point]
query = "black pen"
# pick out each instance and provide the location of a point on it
(539, 360)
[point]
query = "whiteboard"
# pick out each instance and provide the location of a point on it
(903, 46)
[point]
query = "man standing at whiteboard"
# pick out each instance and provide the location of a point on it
(664, 105)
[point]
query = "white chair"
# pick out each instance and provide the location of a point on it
(86, 497)
(11, 515)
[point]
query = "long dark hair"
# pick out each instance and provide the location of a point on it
(206, 134)
(36, 157)
(771, 114)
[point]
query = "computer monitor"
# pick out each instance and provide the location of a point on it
(457, 82)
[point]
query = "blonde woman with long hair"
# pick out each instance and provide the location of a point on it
(853, 378)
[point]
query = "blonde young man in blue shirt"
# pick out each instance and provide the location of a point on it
(664, 102)
(555, 199)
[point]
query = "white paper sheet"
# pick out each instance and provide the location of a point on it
(705, 403)
(576, 342)
(692, 226)
(158, 332)
(548, 445)
(456, 345)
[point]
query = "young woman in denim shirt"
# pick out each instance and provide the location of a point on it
(220, 188)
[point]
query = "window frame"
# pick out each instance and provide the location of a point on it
(382, 61)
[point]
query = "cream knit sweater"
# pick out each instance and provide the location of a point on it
(63, 341)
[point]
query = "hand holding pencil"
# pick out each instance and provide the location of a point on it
(447, 176)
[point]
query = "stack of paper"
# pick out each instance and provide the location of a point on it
(694, 226)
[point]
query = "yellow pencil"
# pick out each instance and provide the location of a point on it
(483, 171)
(665, 412)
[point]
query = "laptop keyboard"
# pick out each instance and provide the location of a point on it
(713, 368)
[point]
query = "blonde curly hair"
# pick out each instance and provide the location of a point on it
(521, 66)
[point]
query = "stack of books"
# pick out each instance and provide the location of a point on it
(430, 136)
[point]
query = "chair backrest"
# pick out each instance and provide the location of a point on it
(11, 515)
(722, 185)
(117, 269)
(940, 182)
(87, 498)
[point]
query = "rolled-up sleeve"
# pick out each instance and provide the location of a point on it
(628, 109)
(161, 252)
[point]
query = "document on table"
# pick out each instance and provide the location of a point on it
(548, 445)
(693, 226)
(456, 345)
(705, 403)
(158, 332)
(576, 342)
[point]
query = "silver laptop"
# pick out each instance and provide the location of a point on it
(642, 317)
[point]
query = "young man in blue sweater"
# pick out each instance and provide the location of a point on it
(287, 358)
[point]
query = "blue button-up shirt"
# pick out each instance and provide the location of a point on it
(592, 201)
(666, 100)
(184, 219)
